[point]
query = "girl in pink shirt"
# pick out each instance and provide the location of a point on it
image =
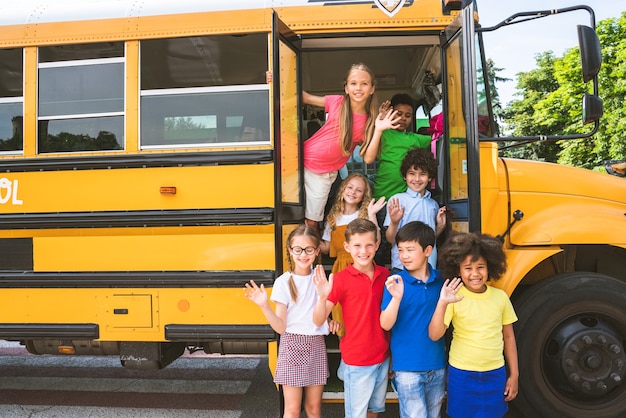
(349, 122)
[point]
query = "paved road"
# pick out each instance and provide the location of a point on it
(195, 385)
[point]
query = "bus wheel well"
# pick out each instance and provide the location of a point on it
(603, 259)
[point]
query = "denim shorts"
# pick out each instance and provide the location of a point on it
(420, 394)
(365, 388)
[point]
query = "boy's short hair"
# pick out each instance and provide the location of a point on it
(416, 231)
(402, 98)
(360, 226)
(419, 158)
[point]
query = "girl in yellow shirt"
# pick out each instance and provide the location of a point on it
(483, 341)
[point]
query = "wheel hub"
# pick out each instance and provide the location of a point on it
(585, 358)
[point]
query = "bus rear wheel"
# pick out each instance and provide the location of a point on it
(571, 337)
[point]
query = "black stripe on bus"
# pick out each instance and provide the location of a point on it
(111, 161)
(194, 332)
(16, 331)
(145, 218)
(135, 279)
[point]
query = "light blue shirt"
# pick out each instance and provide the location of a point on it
(416, 208)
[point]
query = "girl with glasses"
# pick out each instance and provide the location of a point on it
(295, 297)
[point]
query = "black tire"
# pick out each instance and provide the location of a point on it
(570, 335)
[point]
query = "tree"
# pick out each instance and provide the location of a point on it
(550, 104)
(525, 116)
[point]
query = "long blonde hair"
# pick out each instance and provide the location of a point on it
(345, 127)
(337, 209)
(301, 230)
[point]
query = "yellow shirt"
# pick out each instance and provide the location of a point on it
(477, 341)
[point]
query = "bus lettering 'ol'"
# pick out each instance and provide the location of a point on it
(8, 191)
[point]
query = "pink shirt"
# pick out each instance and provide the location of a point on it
(322, 152)
(365, 343)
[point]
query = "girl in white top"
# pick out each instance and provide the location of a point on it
(295, 297)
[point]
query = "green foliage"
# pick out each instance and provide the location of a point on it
(549, 102)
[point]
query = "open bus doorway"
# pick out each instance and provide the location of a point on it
(403, 64)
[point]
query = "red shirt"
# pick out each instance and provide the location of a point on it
(365, 343)
(322, 152)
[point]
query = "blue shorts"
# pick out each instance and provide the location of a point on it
(420, 394)
(476, 394)
(365, 388)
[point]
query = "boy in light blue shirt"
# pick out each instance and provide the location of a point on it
(409, 300)
(418, 168)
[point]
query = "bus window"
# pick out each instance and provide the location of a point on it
(456, 189)
(11, 100)
(81, 98)
(198, 91)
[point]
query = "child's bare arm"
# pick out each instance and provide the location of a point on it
(440, 221)
(310, 99)
(437, 328)
(510, 355)
(389, 315)
(396, 212)
(323, 287)
(258, 295)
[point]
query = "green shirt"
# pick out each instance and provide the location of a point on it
(394, 146)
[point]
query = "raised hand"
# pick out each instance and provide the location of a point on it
(383, 108)
(388, 120)
(255, 293)
(322, 285)
(450, 289)
(395, 210)
(395, 286)
(375, 206)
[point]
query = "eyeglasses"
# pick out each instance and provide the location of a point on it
(307, 250)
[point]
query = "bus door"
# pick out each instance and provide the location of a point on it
(289, 192)
(459, 158)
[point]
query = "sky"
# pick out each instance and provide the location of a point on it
(511, 47)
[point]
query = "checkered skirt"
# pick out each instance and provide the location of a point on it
(302, 360)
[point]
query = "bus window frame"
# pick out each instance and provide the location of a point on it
(83, 116)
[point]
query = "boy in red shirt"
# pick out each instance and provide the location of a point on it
(365, 345)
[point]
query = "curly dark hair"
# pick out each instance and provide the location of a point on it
(402, 98)
(419, 158)
(459, 245)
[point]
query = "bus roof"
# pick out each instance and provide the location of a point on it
(42, 11)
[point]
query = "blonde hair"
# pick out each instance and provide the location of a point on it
(339, 205)
(345, 116)
(306, 231)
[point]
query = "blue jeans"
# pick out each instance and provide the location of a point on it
(365, 388)
(420, 394)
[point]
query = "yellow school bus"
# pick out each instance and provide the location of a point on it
(150, 168)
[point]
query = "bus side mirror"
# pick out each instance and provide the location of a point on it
(590, 59)
(590, 52)
(593, 108)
